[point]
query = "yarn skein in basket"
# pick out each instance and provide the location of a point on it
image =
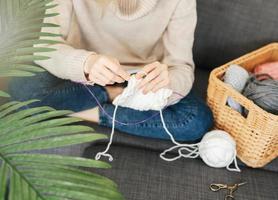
(263, 92)
(236, 76)
(270, 68)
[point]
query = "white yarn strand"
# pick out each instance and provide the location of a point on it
(191, 148)
(236, 169)
(104, 153)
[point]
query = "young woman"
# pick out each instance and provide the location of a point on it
(103, 42)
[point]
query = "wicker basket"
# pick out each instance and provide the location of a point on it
(256, 135)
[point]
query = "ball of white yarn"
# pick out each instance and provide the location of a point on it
(217, 149)
(236, 76)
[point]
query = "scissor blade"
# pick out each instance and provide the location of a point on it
(243, 183)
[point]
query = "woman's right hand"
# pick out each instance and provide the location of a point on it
(104, 70)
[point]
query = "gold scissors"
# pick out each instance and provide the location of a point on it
(231, 189)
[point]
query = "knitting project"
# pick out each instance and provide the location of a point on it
(133, 98)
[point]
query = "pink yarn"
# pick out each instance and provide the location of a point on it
(270, 68)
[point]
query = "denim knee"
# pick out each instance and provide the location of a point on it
(199, 123)
(185, 124)
(33, 87)
(57, 93)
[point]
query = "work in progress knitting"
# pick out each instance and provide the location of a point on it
(214, 142)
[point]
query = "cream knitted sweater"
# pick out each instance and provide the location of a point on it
(159, 30)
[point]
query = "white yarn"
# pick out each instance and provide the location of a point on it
(217, 148)
(237, 77)
(134, 98)
(191, 148)
(104, 153)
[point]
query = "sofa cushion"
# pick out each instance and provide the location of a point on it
(201, 82)
(229, 29)
(123, 139)
(142, 175)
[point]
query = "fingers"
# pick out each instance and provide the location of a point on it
(110, 75)
(99, 79)
(147, 69)
(160, 82)
(156, 77)
(152, 75)
(150, 86)
(115, 67)
(106, 70)
(160, 85)
(99, 82)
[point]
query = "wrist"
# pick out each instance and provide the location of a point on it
(89, 62)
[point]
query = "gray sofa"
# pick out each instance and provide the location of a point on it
(226, 30)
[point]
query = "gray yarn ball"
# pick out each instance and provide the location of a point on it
(236, 76)
(264, 93)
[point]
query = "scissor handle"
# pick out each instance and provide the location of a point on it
(216, 187)
(229, 197)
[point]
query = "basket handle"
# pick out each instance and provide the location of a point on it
(244, 111)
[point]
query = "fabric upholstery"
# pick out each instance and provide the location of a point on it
(142, 175)
(123, 139)
(229, 29)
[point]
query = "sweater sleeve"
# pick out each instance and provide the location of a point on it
(66, 62)
(178, 43)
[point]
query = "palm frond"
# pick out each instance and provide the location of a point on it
(4, 94)
(26, 174)
(30, 175)
(20, 29)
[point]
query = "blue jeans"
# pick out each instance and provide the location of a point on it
(188, 120)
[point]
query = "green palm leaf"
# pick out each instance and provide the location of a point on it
(20, 25)
(4, 94)
(44, 176)
(26, 174)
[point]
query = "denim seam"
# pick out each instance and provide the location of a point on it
(104, 120)
(72, 89)
(168, 124)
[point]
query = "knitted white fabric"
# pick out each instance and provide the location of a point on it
(134, 98)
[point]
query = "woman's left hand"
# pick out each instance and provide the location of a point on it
(155, 76)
